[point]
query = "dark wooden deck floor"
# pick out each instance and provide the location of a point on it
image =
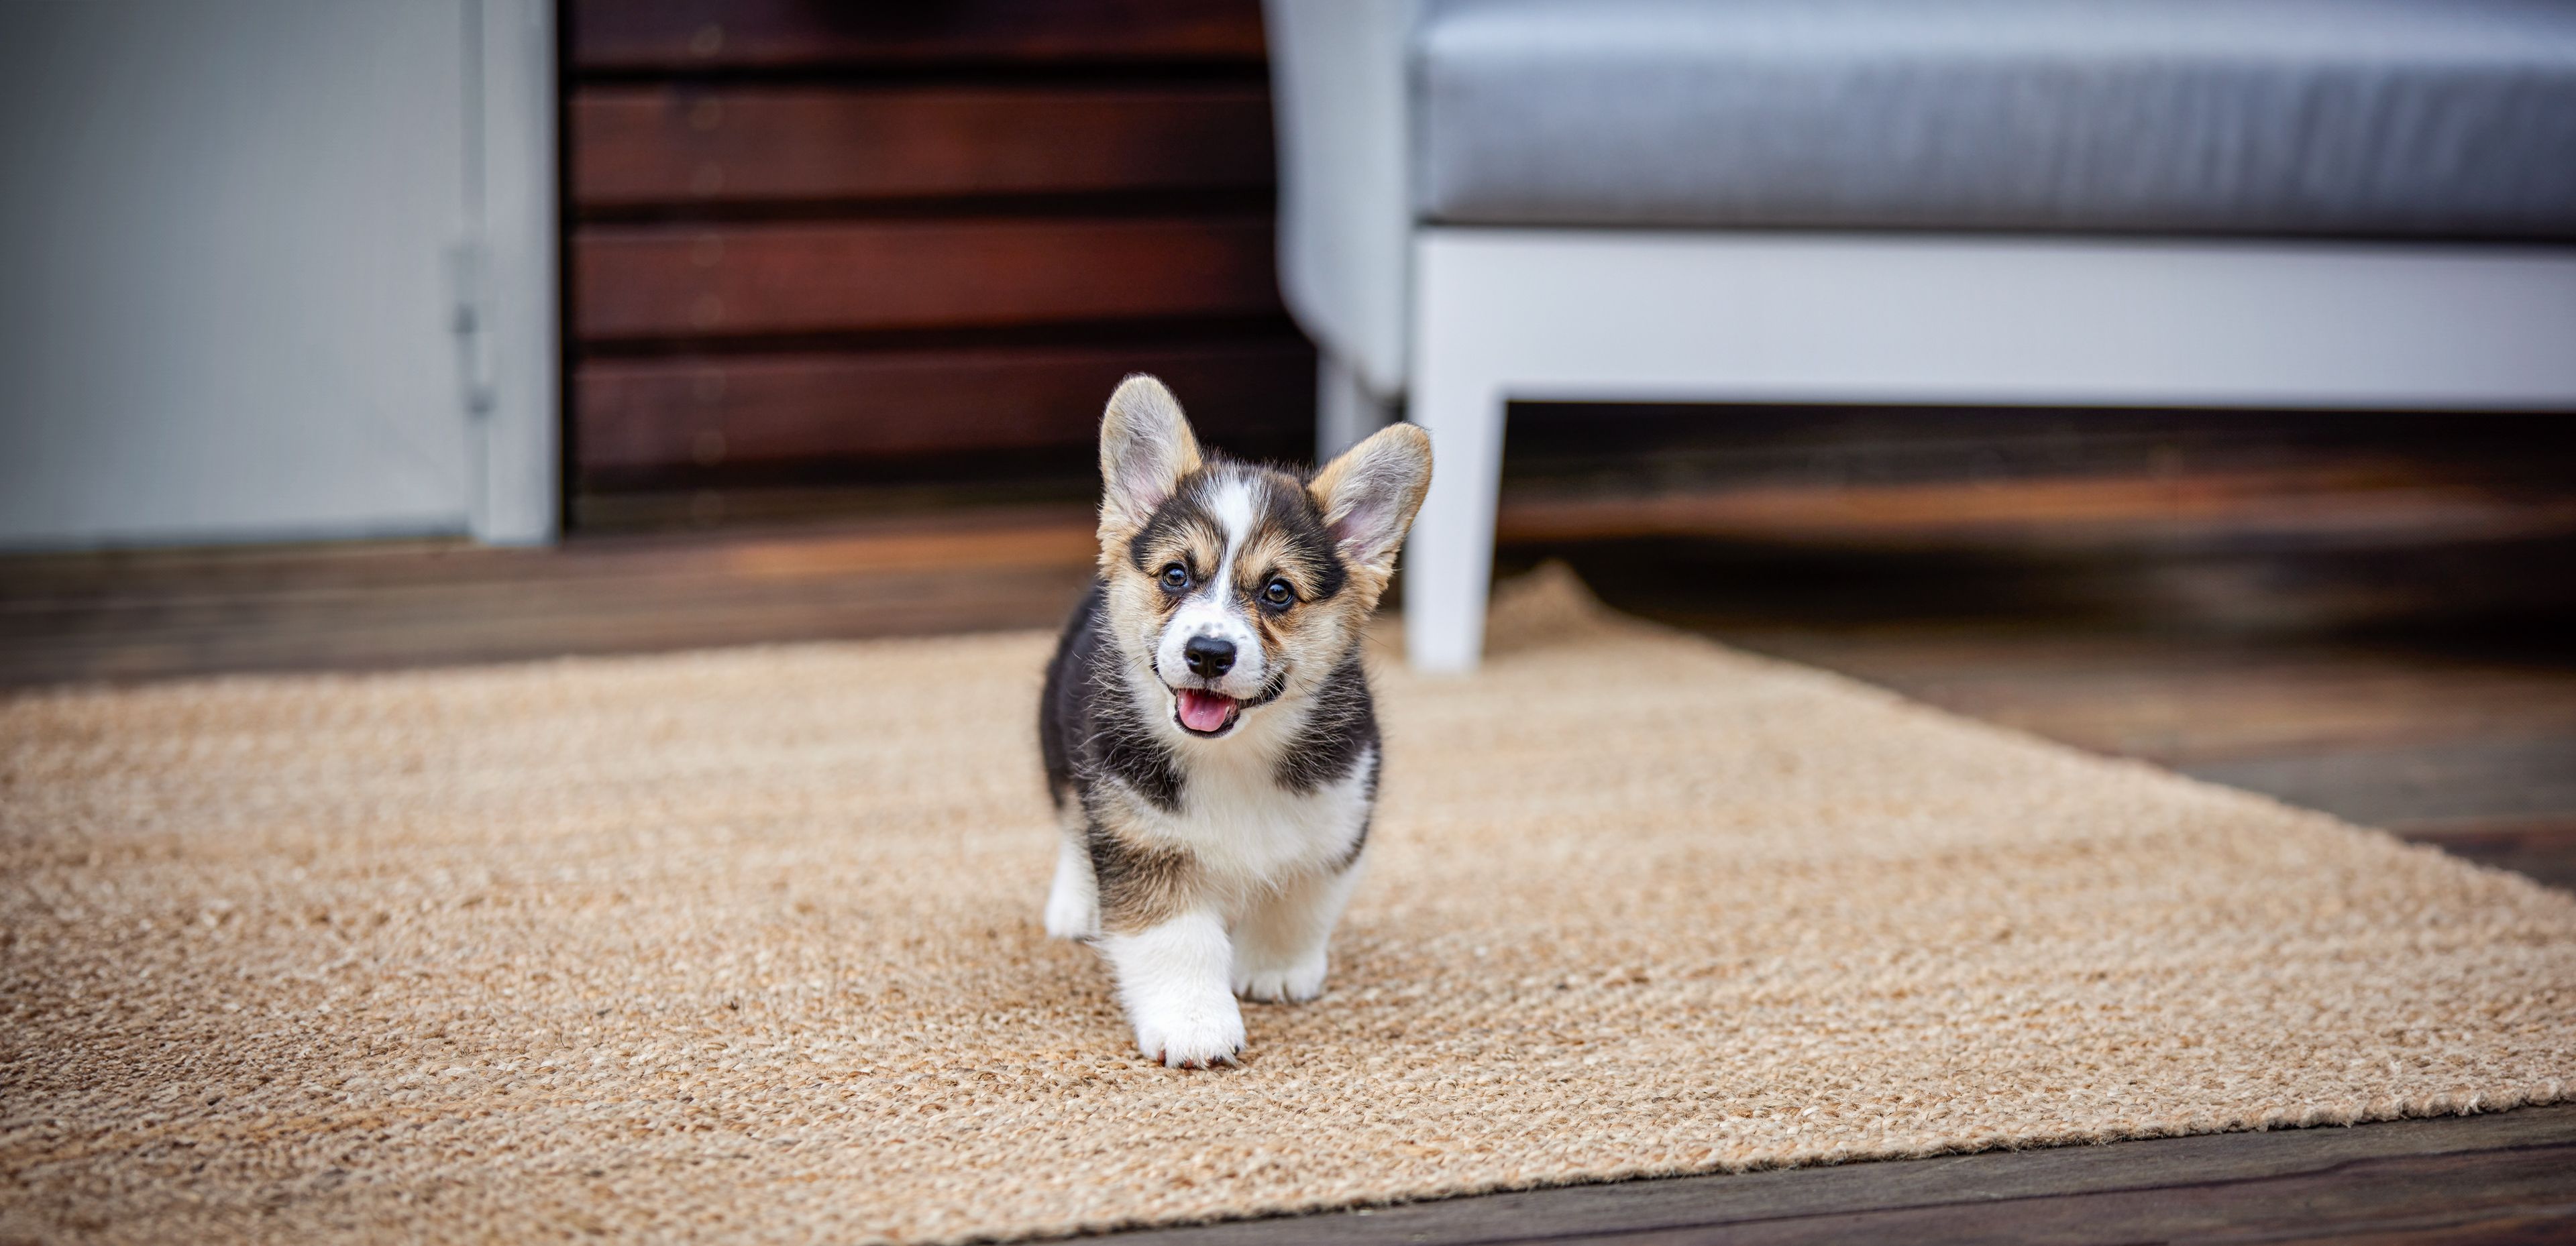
(2409, 663)
(2500, 1178)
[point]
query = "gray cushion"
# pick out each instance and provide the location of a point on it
(2356, 117)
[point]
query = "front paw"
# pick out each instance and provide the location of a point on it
(1293, 983)
(1198, 1037)
(1071, 915)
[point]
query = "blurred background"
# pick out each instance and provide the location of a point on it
(356, 336)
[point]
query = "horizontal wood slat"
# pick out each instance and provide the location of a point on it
(647, 418)
(632, 35)
(820, 241)
(669, 144)
(664, 282)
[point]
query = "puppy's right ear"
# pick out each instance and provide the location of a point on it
(1146, 447)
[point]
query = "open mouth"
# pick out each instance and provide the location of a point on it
(1206, 713)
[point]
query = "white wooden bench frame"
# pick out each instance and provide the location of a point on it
(1627, 315)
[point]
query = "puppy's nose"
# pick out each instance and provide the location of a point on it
(1208, 657)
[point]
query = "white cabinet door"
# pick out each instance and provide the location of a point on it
(228, 271)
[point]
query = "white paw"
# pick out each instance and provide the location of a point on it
(1197, 1037)
(1073, 905)
(1071, 914)
(1281, 984)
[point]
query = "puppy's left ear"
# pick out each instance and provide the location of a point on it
(1370, 493)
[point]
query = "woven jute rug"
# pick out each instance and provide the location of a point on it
(745, 945)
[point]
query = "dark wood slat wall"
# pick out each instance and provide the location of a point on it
(657, 145)
(637, 417)
(662, 282)
(814, 241)
(666, 35)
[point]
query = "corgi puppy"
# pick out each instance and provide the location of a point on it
(1207, 729)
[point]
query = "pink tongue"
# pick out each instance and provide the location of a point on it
(1204, 711)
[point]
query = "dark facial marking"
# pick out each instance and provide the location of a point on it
(1182, 522)
(1286, 509)
(1168, 528)
(1292, 514)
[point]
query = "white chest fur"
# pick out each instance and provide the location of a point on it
(1250, 835)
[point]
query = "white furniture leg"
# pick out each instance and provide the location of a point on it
(1775, 317)
(1457, 398)
(1345, 411)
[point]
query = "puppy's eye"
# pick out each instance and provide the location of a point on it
(1176, 577)
(1278, 595)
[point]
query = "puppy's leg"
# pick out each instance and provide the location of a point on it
(1279, 945)
(1172, 982)
(1073, 902)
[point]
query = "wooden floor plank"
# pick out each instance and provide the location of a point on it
(126, 617)
(2549, 1226)
(2142, 695)
(2322, 501)
(2540, 848)
(2447, 1192)
(1922, 1196)
(2389, 786)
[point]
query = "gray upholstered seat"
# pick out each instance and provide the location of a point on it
(2448, 118)
(1912, 201)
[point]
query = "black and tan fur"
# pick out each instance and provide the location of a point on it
(1209, 861)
